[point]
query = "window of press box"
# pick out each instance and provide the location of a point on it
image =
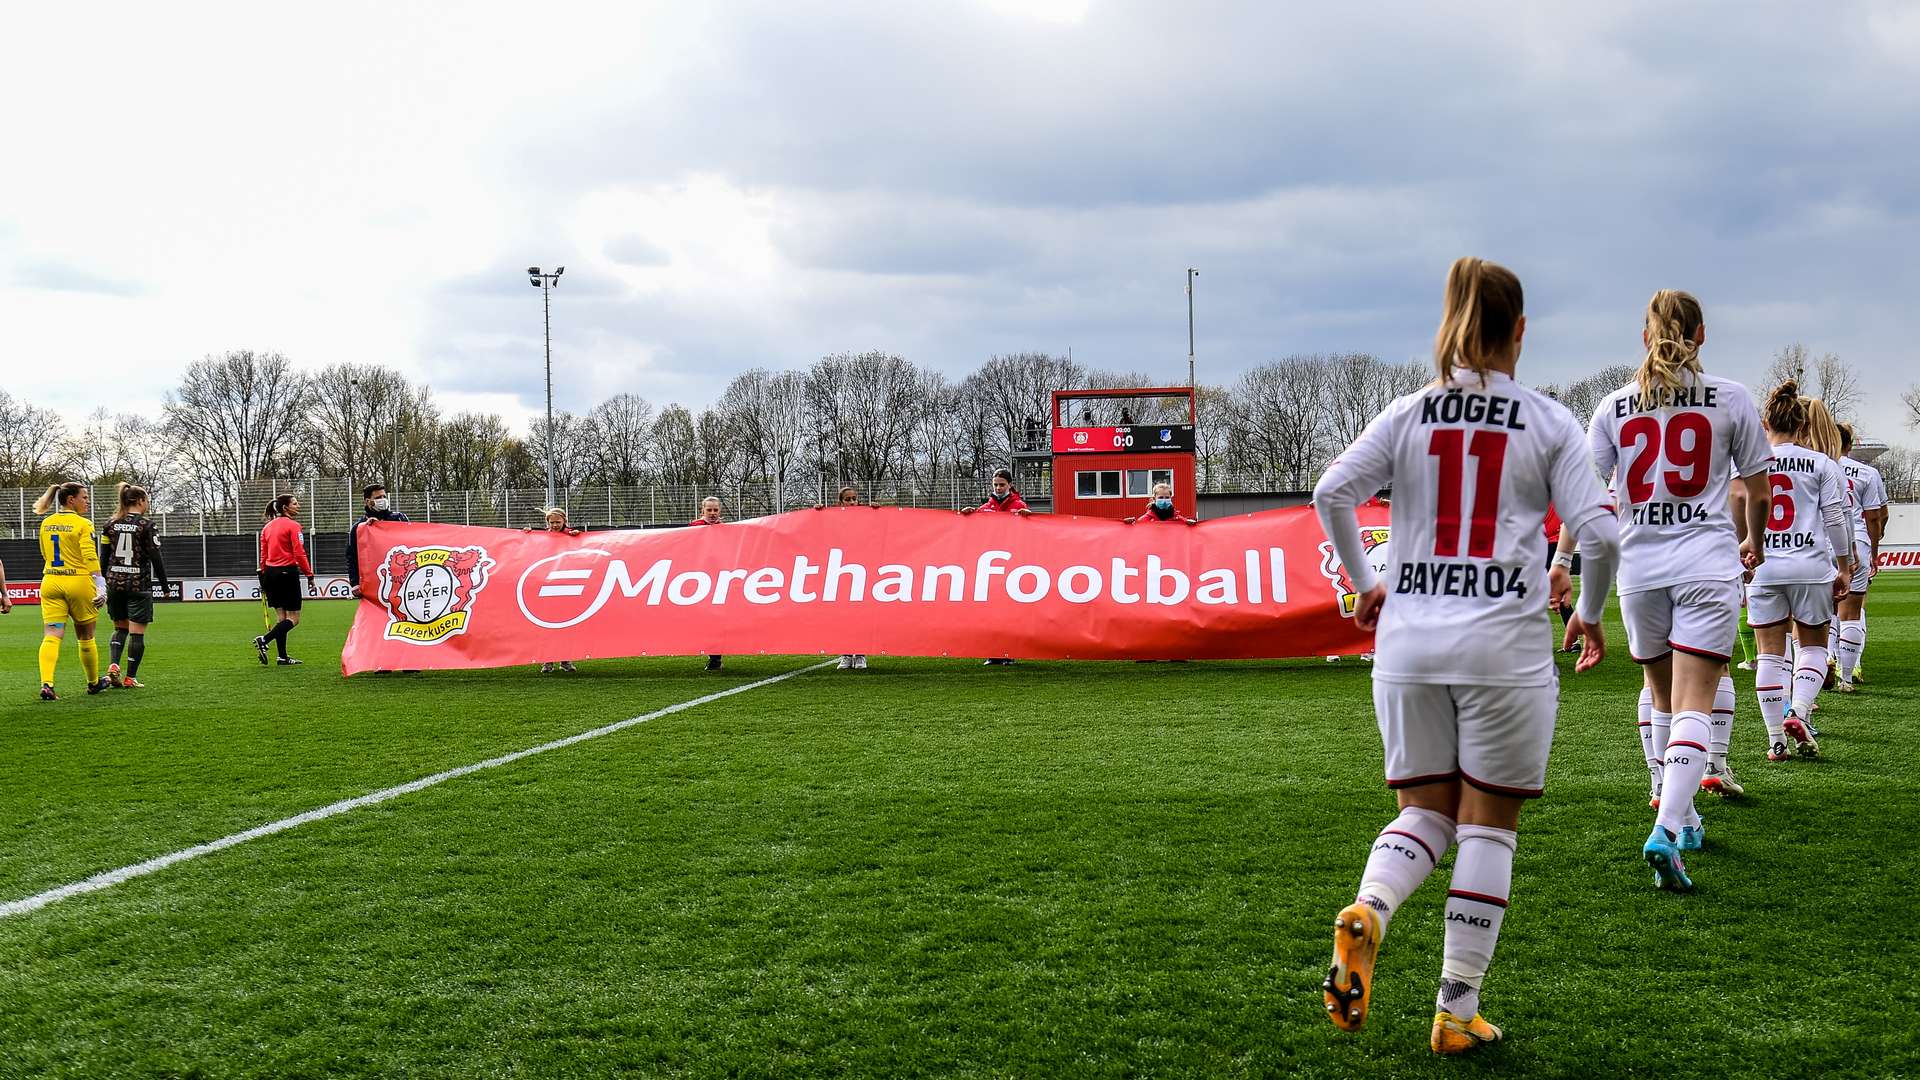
(1140, 481)
(1096, 484)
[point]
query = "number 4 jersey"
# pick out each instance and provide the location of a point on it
(1672, 465)
(1473, 468)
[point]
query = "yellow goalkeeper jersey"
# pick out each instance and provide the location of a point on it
(67, 544)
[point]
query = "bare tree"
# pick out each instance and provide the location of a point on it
(1912, 400)
(33, 444)
(466, 453)
(235, 415)
(675, 446)
(717, 453)
(1211, 430)
(1839, 385)
(620, 431)
(862, 404)
(1277, 411)
(1583, 396)
(573, 455)
(1009, 389)
(937, 444)
(356, 417)
(768, 411)
(1900, 471)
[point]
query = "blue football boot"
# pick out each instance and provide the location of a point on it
(1669, 869)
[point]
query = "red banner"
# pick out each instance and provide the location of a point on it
(882, 581)
(23, 592)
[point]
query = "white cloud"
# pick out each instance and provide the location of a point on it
(751, 183)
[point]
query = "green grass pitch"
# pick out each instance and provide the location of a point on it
(929, 868)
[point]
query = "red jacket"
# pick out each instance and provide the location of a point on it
(704, 521)
(280, 545)
(1151, 518)
(1014, 502)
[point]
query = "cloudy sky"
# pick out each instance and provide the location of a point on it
(733, 185)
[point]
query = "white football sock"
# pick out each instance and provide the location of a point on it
(1770, 674)
(1853, 640)
(1686, 763)
(1863, 642)
(1809, 674)
(1656, 765)
(1833, 637)
(1722, 740)
(1404, 853)
(1647, 749)
(1476, 906)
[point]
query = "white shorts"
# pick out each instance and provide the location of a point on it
(1771, 605)
(1493, 737)
(1862, 568)
(1697, 617)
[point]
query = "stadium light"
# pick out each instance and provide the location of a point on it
(545, 283)
(1191, 274)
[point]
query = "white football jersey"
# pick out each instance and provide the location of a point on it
(1671, 466)
(1869, 490)
(1473, 468)
(1808, 491)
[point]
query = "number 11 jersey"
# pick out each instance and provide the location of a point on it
(1672, 466)
(1473, 467)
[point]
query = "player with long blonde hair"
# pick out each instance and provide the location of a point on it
(1672, 440)
(1466, 718)
(71, 586)
(1809, 545)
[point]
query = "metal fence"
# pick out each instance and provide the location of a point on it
(330, 505)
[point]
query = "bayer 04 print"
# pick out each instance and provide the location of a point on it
(428, 592)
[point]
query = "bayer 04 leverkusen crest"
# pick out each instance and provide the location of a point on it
(428, 591)
(1373, 540)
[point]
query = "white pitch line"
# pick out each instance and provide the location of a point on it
(110, 878)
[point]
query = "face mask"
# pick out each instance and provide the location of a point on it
(380, 504)
(1001, 496)
(1163, 504)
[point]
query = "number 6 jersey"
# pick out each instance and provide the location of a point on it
(1674, 465)
(1473, 468)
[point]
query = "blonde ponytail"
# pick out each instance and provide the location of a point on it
(1484, 303)
(1673, 320)
(1822, 433)
(55, 497)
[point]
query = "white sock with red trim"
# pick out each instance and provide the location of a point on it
(1833, 637)
(1656, 764)
(1722, 738)
(1770, 674)
(1686, 763)
(1646, 734)
(1404, 853)
(1853, 641)
(1809, 674)
(1863, 643)
(1476, 906)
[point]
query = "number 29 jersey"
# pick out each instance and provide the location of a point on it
(1672, 466)
(1473, 469)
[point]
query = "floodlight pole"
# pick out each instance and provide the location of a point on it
(546, 306)
(545, 283)
(1191, 274)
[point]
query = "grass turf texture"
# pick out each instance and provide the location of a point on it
(927, 868)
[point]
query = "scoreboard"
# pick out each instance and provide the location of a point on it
(1124, 439)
